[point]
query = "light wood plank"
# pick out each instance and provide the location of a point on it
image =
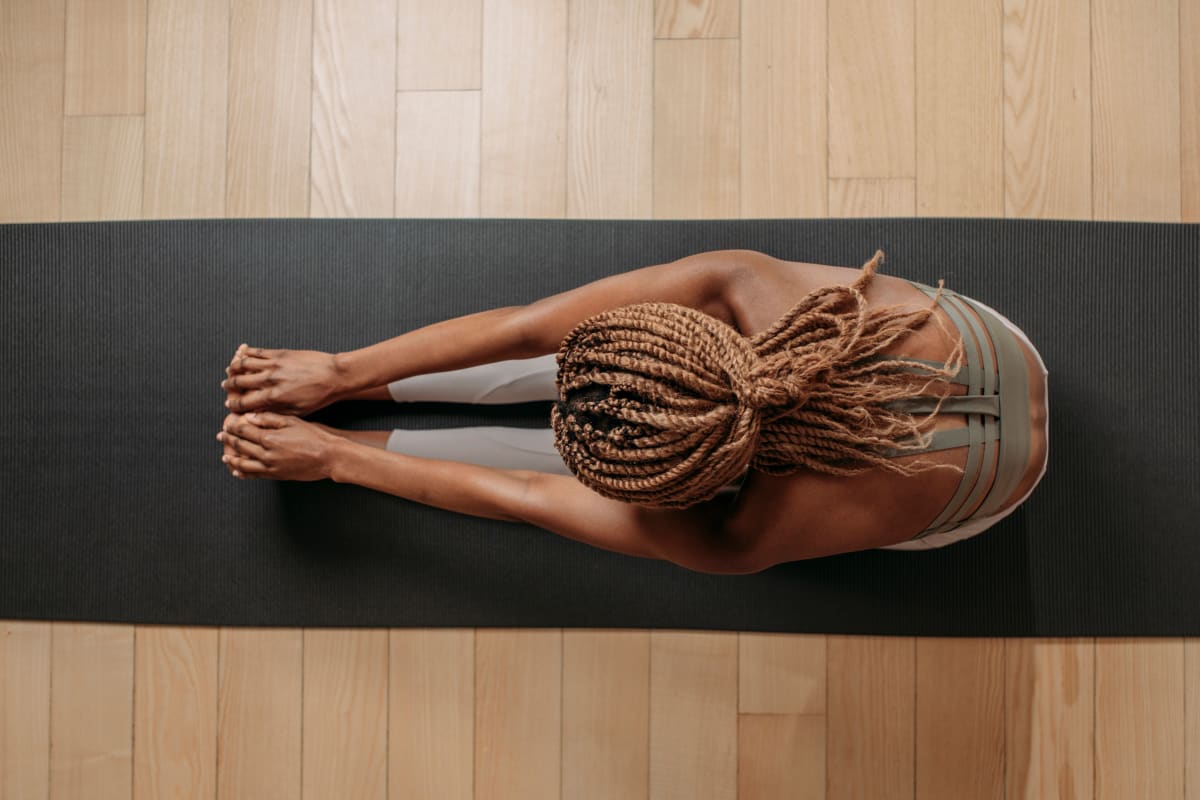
(437, 154)
(960, 718)
(102, 168)
(606, 714)
(696, 129)
(610, 109)
(270, 99)
(259, 706)
(91, 712)
(781, 673)
(871, 89)
(1191, 735)
(960, 162)
(781, 756)
(187, 64)
(691, 19)
(524, 147)
(440, 44)
(872, 197)
(1135, 107)
(25, 709)
(1189, 109)
(345, 713)
(518, 713)
(1047, 109)
(871, 717)
(31, 110)
(353, 117)
(783, 98)
(105, 57)
(1050, 695)
(431, 701)
(693, 715)
(175, 712)
(1139, 718)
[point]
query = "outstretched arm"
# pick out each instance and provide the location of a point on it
(693, 538)
(700, 281)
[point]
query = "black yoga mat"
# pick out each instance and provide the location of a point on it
(116, 508)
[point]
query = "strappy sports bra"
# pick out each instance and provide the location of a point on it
(997, 391)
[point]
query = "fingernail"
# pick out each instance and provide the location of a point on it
(227, 404)
(224, 459)
(219, 435)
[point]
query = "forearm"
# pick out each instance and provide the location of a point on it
(480, 338)
(451, 485)
(701, 281)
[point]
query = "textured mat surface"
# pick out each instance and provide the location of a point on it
(114, 505)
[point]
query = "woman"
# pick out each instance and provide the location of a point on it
(727, 412)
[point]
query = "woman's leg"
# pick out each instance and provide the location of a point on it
(514, 381)
(521, 380)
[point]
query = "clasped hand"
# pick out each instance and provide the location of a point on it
(267, 444)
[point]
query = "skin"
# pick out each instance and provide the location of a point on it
(778, 518)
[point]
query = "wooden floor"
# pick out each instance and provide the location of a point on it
(144, 109)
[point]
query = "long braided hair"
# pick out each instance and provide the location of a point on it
(663, 405)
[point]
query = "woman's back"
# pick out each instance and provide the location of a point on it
(809, 513)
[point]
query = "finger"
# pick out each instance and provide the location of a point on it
(248, 466)
(240, 382)
(247, 364)
(247, 401)
(269, 419)
(245, 446)
(243, 429)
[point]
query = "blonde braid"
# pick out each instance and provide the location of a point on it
(663, 405)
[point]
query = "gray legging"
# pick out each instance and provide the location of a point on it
(522, 380)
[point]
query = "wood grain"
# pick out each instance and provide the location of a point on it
(781, 756)
(1049, 694)
(270, 88)
(1189, 109)
(606, 714)
(25, 709)
(1191, 733)
(871, 89)
(102, 168)
(959, 109)
(105, 57)
(872, 717)
(518, 713)
(610, 109)
(439, 45)
(693, 715)
(187, 97)
(91, 712)
(696, 143)
(1047, 109)
(431, 713)
(353, 116)
(175, 712)
(523, 144)
(259, 704)
(783, 100)
(704, 19)
(437, 154)
(1135, 109)
(872, 197)
(31, 109)
(781, 673)
(1139, 718)
(345, 713)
